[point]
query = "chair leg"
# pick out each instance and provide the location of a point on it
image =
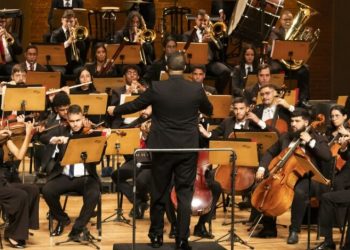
(99, 217)
(65, 203)
(344, 227)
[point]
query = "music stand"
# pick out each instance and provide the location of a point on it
(221, 105)
(245, 155)
(104, 84)
(84, 150)
(265, 139)
(121, 142)
(51, 54)
(23, 98)
(91, 104)
(130, 54)
(290, 51)
(197, 53)
(316, 175)
(50, 80)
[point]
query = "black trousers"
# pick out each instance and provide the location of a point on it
(221, 72)
(21, 203)
(86, 186)
(143, 182)
(164, 165)
(302, 75)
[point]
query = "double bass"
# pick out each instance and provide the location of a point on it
(274, 195)
(202, 196)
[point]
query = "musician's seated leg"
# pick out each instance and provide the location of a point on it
(221, 72)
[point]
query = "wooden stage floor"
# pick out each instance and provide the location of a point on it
(113, 232)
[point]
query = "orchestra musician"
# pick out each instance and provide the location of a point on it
(83, 76)
(330, 201)
(73, 178)
(65, 35)
(154, 70)
(9, 47)
(248, 65)
(132, 32)
(272, 107)
(264, 77)
(147, 10)
(315, 146)
(174, 125)
(20, 202)
(30, 63)
(215, 67)
(63, 4)
(100, 62)
(198, 76)
(132, 86)
(302, 75)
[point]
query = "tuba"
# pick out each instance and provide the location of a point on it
(298, 31)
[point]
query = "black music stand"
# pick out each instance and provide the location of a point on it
(247, 156)
(121, 142)
(84, 150)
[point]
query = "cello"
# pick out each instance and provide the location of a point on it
(202, 196)
(274, 195)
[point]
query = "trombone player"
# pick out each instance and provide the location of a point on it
(74, 41)
(9, 47)
(205, 34)
(135, 31)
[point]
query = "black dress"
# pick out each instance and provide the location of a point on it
(21, 203)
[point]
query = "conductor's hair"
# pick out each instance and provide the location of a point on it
(61, 99)
(301, 112)
(176, 61)
(74, 109)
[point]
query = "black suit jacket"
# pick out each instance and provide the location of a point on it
(238, 80)
(39, 67)
(175, 106)
(116, 121)
(277, 34)
(153, 70)
(320, 153)
(50, 149)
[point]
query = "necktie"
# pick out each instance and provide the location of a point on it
(2, 51)
(31, 66)
(71, 170)
(249, 70)
(67, 4)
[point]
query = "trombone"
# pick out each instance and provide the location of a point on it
(217, 31)
(78, 33)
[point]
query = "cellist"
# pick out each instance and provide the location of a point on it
(315, 146)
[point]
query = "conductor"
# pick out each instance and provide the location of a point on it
(175, 103)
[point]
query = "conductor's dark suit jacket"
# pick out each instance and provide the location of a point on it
(175, 105)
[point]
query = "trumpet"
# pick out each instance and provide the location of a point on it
(8, 37)
(79, 33)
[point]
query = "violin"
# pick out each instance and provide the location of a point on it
(274, 195)
(202, 196)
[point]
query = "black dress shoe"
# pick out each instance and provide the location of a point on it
(201, 231)
(183, 245)
(140, 210)
(60, 227)
(325, 246)
(20, 244)
(266, 233)
(156, 240)
(293, 238)
(76, 234)
(173, 232)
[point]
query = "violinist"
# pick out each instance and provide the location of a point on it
(331, 201)
(100, 62)
(73, 178)
(19, 201)
(316, 148)
(216, 65)
(272, 108)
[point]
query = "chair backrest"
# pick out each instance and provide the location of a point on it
(175, 17)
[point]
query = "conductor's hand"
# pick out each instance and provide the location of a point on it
(110, 110)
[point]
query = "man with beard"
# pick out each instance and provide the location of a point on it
(316, 148)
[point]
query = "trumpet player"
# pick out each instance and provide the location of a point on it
(216, 66)
(75, 49)
(9, 48)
